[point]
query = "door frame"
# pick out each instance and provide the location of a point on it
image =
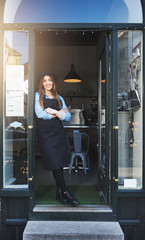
(113, 99)
(112, 121)
(112, 28)
(114, 118)
(31, 134)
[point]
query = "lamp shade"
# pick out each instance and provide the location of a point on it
(72, 76)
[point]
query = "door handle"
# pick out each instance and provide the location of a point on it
(115, 179)
(115, 127)
(30, 127)
(30, 179)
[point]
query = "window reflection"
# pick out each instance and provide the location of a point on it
(15, 110)
(55, 11)
(130, 108)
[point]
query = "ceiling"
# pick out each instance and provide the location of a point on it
(63, 37)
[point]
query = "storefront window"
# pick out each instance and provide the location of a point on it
(15, 108)
(130, 109)
(64, 11)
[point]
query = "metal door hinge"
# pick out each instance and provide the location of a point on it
(115, 179)
(30, 179)
(115, 127)
(30, 127)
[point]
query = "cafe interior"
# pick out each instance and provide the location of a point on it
(72, 56)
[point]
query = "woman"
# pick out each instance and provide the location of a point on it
(50, 110)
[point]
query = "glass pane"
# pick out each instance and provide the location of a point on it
(130, 109)
(15, 108)
(64, 11)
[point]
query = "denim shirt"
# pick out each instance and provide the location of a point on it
(40, 113)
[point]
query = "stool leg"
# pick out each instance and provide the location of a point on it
(71, 164)
(88, 161)
(84, 163)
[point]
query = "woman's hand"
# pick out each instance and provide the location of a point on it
(56, 113)
(51, 111)
(53, 116)
(59, 114)
(64, 110)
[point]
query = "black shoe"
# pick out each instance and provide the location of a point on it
(60, 197)
(70, 199)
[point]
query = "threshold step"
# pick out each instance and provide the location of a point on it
(81, 208)
(72, 230)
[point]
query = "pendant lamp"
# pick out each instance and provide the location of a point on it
(72, 76)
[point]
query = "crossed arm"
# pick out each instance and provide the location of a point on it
(48, 113)
(56, 113)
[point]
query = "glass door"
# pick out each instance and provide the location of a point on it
(102, 176)
(104, 120)
(124, 113)
(18, 92)
(111, 116)
(130, 109)
(15, 119)
(125, 99)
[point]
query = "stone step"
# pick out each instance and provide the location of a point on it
(57, 208)
(72, 230)
(68, 213)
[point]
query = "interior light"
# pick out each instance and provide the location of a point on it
(103, 80)
(72, 76)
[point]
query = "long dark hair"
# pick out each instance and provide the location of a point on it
(53, 91)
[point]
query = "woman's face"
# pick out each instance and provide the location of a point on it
(47, 83)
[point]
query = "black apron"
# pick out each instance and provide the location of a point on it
(52, 139)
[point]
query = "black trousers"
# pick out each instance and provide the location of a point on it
(59, 179)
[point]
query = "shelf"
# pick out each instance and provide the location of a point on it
(79, 96)
(83, 126)
(79, 126)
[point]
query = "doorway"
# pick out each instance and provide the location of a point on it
(55, 52)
